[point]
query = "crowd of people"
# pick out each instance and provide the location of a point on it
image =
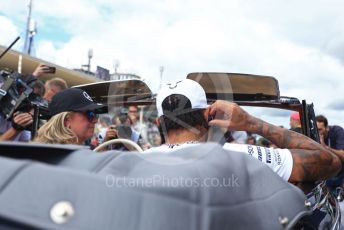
(184, 118)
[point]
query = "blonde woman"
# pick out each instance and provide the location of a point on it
(55, 132)
(74, 115)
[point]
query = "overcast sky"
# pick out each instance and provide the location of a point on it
(301, 43)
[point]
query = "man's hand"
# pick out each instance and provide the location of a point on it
(322, 139)
(228, 115)
(41, 70)
(111, 133)
(19, 122)
(22, 119)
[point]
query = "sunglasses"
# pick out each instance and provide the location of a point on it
(91, 115)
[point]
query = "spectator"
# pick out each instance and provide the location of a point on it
(104, 122)
(251, 140)
(105, 130)
(54, 86)
(185, 118)
(123, 130)
(115, 120)
(38, 88)
(137, 124)
(153, 134)
(332, 136)
(133, 114)
(74, 115)
(14, 129)
(295, 122)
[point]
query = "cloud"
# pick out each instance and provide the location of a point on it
(335, 47)
(47, 50)
(301, 46)
(8, 32)
(337, 105)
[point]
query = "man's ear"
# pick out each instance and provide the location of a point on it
(206, 113)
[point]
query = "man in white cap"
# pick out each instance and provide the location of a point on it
(185, 118)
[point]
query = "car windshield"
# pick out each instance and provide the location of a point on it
(275, 116)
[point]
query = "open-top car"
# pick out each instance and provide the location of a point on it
(70, 187)
(244, 89)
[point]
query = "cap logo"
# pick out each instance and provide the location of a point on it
(173, 85)
(87, 96)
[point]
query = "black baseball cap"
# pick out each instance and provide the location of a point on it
(74, 100)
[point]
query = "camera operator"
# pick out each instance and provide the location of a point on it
(14, 128)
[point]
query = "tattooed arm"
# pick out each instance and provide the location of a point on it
(311, 161)
(339, 152)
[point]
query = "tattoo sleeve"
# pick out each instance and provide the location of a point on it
(311, 161)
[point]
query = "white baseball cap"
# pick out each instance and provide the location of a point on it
(192, 90)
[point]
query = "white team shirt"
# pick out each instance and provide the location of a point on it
(279, 160)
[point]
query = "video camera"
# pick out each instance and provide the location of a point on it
(17, 96)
